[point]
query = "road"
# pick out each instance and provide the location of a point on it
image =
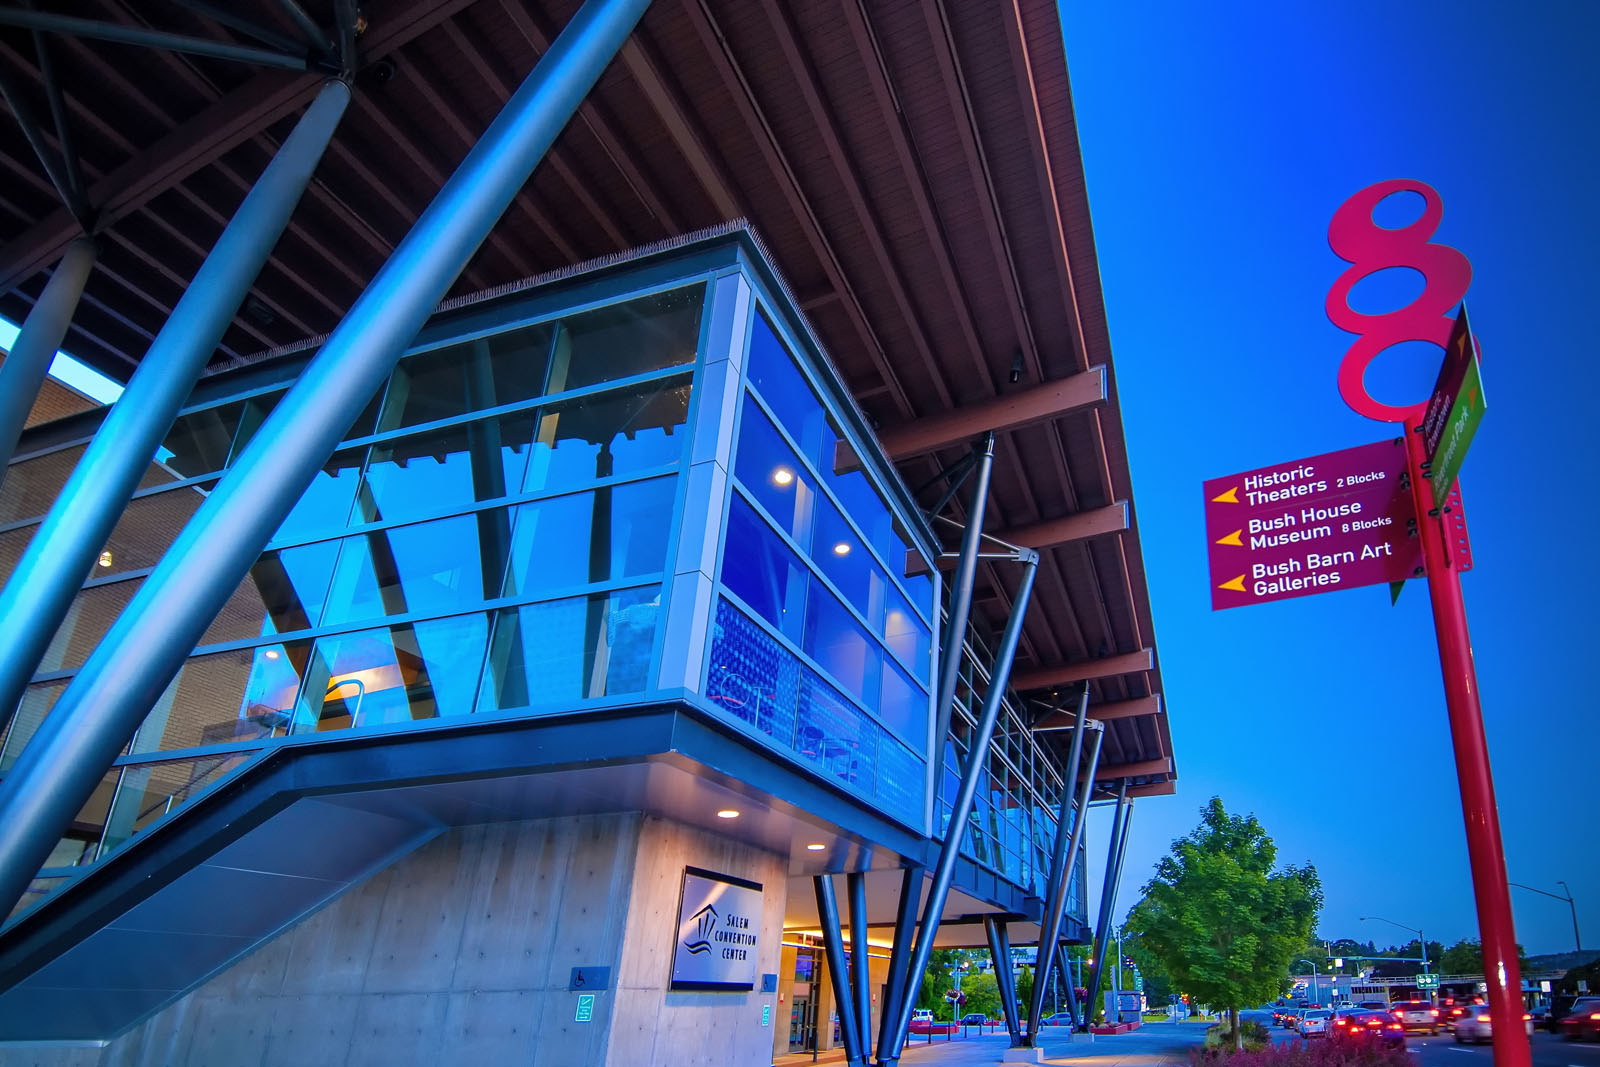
(1442, 1051)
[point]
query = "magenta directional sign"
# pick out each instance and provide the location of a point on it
(1335, 521)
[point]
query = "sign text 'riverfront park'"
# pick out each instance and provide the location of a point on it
(1334, 521)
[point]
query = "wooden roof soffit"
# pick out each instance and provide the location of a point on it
(1063, 674)
(1142, 769)
(1005, 412)
(1115, 709)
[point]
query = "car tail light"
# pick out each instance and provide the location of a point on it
(1396, 1026)
(1526, 1016)
(1434, 1012)
(1483, 1018)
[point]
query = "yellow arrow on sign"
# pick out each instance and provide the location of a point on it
(1230, 497)
(1236, 584)
(1232, 539)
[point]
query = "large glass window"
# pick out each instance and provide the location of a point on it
(93, 611)
(432, 568)
(769, 470)
(608, 533)
(504, 368)
(621, 340)
(840, 646)
(774, 375)
(284, 592)
(325, 505)
(147, 791)
(752, 676)
(842, 557)
(763, 571)
(37, 700)
(419, 476)
(560, 651)
(240, 695)
(30, 487)
(864, 503)
(622, 432)
(907, 637)
(148, 526)
(421, 670)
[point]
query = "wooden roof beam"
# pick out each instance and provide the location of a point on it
(1142, 769)
(1149, 789)
(1116, 709)
(1005, 412)
(1066, 673)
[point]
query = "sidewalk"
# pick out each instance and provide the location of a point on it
(1151, 1045)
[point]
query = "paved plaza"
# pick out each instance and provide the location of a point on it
(1149, 1046)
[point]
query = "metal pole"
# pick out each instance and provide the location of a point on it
(1066, 978)
(1004, 980)
(1556, 896)
(1107, 893)
(308, 25)
(31, 133)
(71, 165)
(1085, 791)
(28, 362)
(856, 885)
(147, 645)
(1044, 955)
(40, 591)
(1484, 849)
(904, 924)
(955, 635)
(838, 975)
(961, 810)
(139, 35)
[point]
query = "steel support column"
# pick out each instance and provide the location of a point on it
(961, 809)
(43, 330)
(147, 645)
(1066, 980)
(1103, 926)
(838, 973)
(898, 984)
(40, 591)
(955, 634)
(1085, 791)
(856, 885)
(1004, 979)
(1050, 931)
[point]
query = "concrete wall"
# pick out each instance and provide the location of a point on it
(461, 954)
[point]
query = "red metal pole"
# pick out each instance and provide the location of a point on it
(1484, 849)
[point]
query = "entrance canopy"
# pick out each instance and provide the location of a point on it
(912, 167)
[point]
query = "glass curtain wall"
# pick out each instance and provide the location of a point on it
(492, 537)
(821, 639)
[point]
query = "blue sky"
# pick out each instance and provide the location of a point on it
(1218, 141)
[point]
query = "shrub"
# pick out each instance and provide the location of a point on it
(1220, 1038)
(1301, 1054)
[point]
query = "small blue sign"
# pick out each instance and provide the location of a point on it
(589, 978)
(769, 983)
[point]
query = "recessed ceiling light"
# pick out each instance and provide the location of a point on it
(727, 813)
(272, 653)
(841, 549)
(815, 847)
(782, 476)
(105, 558)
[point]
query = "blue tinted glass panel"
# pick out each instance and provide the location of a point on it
(861, 501)
(647, 334)
(762, 570)
(904, 707)
(767, 467)
(432, 568)
(774, 375)
(471, 376)
(422, 475)
(840, 646)
(919, 585)
(422, 670)
(841, 556)
(752, 677)
(613, 532)
(245, 694)
(835, 735)
(900, 781)
(325, 505)
(908, 638)
(616, 433)
(562, 651)
(284, 591)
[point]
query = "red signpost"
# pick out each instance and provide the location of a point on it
(1359, 241)
(1347, 518)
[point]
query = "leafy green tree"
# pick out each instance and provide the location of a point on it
(936, 980)
(1223, 922)
(1466, 957)
(983, 994)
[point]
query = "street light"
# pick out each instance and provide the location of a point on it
(1420, 939)
(1570, 904)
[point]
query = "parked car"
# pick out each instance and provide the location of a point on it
(1417, 1015)
(1291, 1018)
(974, 1018)
(1581, 1020)
(1474, 1027)
(1060, 1018)
(1372, 1028)
(1315, 1023)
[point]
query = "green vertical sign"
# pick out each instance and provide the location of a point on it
(1466, 411)
(766, 1015)
(585, 1012)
